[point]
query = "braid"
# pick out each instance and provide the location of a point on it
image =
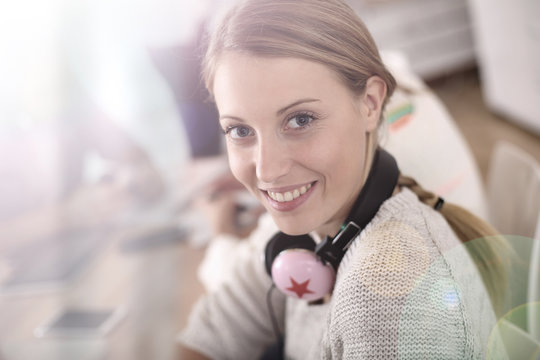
(425, 196)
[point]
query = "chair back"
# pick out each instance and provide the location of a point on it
(513, 194)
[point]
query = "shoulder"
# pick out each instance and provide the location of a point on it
(395, 290)
(398, 248)
(404, 232)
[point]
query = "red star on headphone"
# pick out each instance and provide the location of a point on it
(299, 288)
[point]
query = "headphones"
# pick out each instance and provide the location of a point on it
(305, 270)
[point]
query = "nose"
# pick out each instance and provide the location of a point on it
(272, 161)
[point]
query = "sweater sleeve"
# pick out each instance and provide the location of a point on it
(397, 298)
(233, 322)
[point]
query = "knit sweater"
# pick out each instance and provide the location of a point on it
(405, 289)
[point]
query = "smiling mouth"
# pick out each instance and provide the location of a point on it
(288, 195)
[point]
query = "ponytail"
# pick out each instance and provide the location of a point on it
(486, 250)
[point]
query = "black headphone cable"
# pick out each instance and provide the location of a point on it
(275, 325)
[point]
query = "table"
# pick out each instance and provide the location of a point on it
(155, 284)
(156, 287)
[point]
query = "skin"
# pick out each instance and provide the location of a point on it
(221, 205)
(290, 123)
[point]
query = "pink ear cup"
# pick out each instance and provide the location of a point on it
(300, 273)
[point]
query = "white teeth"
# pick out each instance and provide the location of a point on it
(289, 195)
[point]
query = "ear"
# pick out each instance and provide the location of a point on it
(372, 101)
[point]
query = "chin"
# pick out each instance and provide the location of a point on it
(291, 227)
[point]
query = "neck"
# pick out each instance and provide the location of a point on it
(336, 225)
(379, 186)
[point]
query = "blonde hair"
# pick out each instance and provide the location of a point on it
(329, 32)
(324, 31)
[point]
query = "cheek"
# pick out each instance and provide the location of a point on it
(343, 160)
(239, 165)
(341, 148)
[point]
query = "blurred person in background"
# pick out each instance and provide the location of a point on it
(81, 174)
(72, 152)
(90, 133)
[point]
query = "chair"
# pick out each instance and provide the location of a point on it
(534, 287)
(513, 196)
(513, 190)
(426, 142)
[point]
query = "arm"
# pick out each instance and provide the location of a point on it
(233, 322)
(230, 209)
(188, 354)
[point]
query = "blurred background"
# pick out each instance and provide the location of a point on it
(107, 139)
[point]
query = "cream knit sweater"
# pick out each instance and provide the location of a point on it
(405, 289)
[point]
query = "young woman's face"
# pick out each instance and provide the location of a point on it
(296, 138)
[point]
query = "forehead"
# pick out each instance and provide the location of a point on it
(269, 82)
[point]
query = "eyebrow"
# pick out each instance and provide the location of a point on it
(236, 118)
(278, 113)
(298, 102)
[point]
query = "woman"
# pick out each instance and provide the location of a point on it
(300, 89)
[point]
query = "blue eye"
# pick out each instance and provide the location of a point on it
(238, 131)
(300, 121)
